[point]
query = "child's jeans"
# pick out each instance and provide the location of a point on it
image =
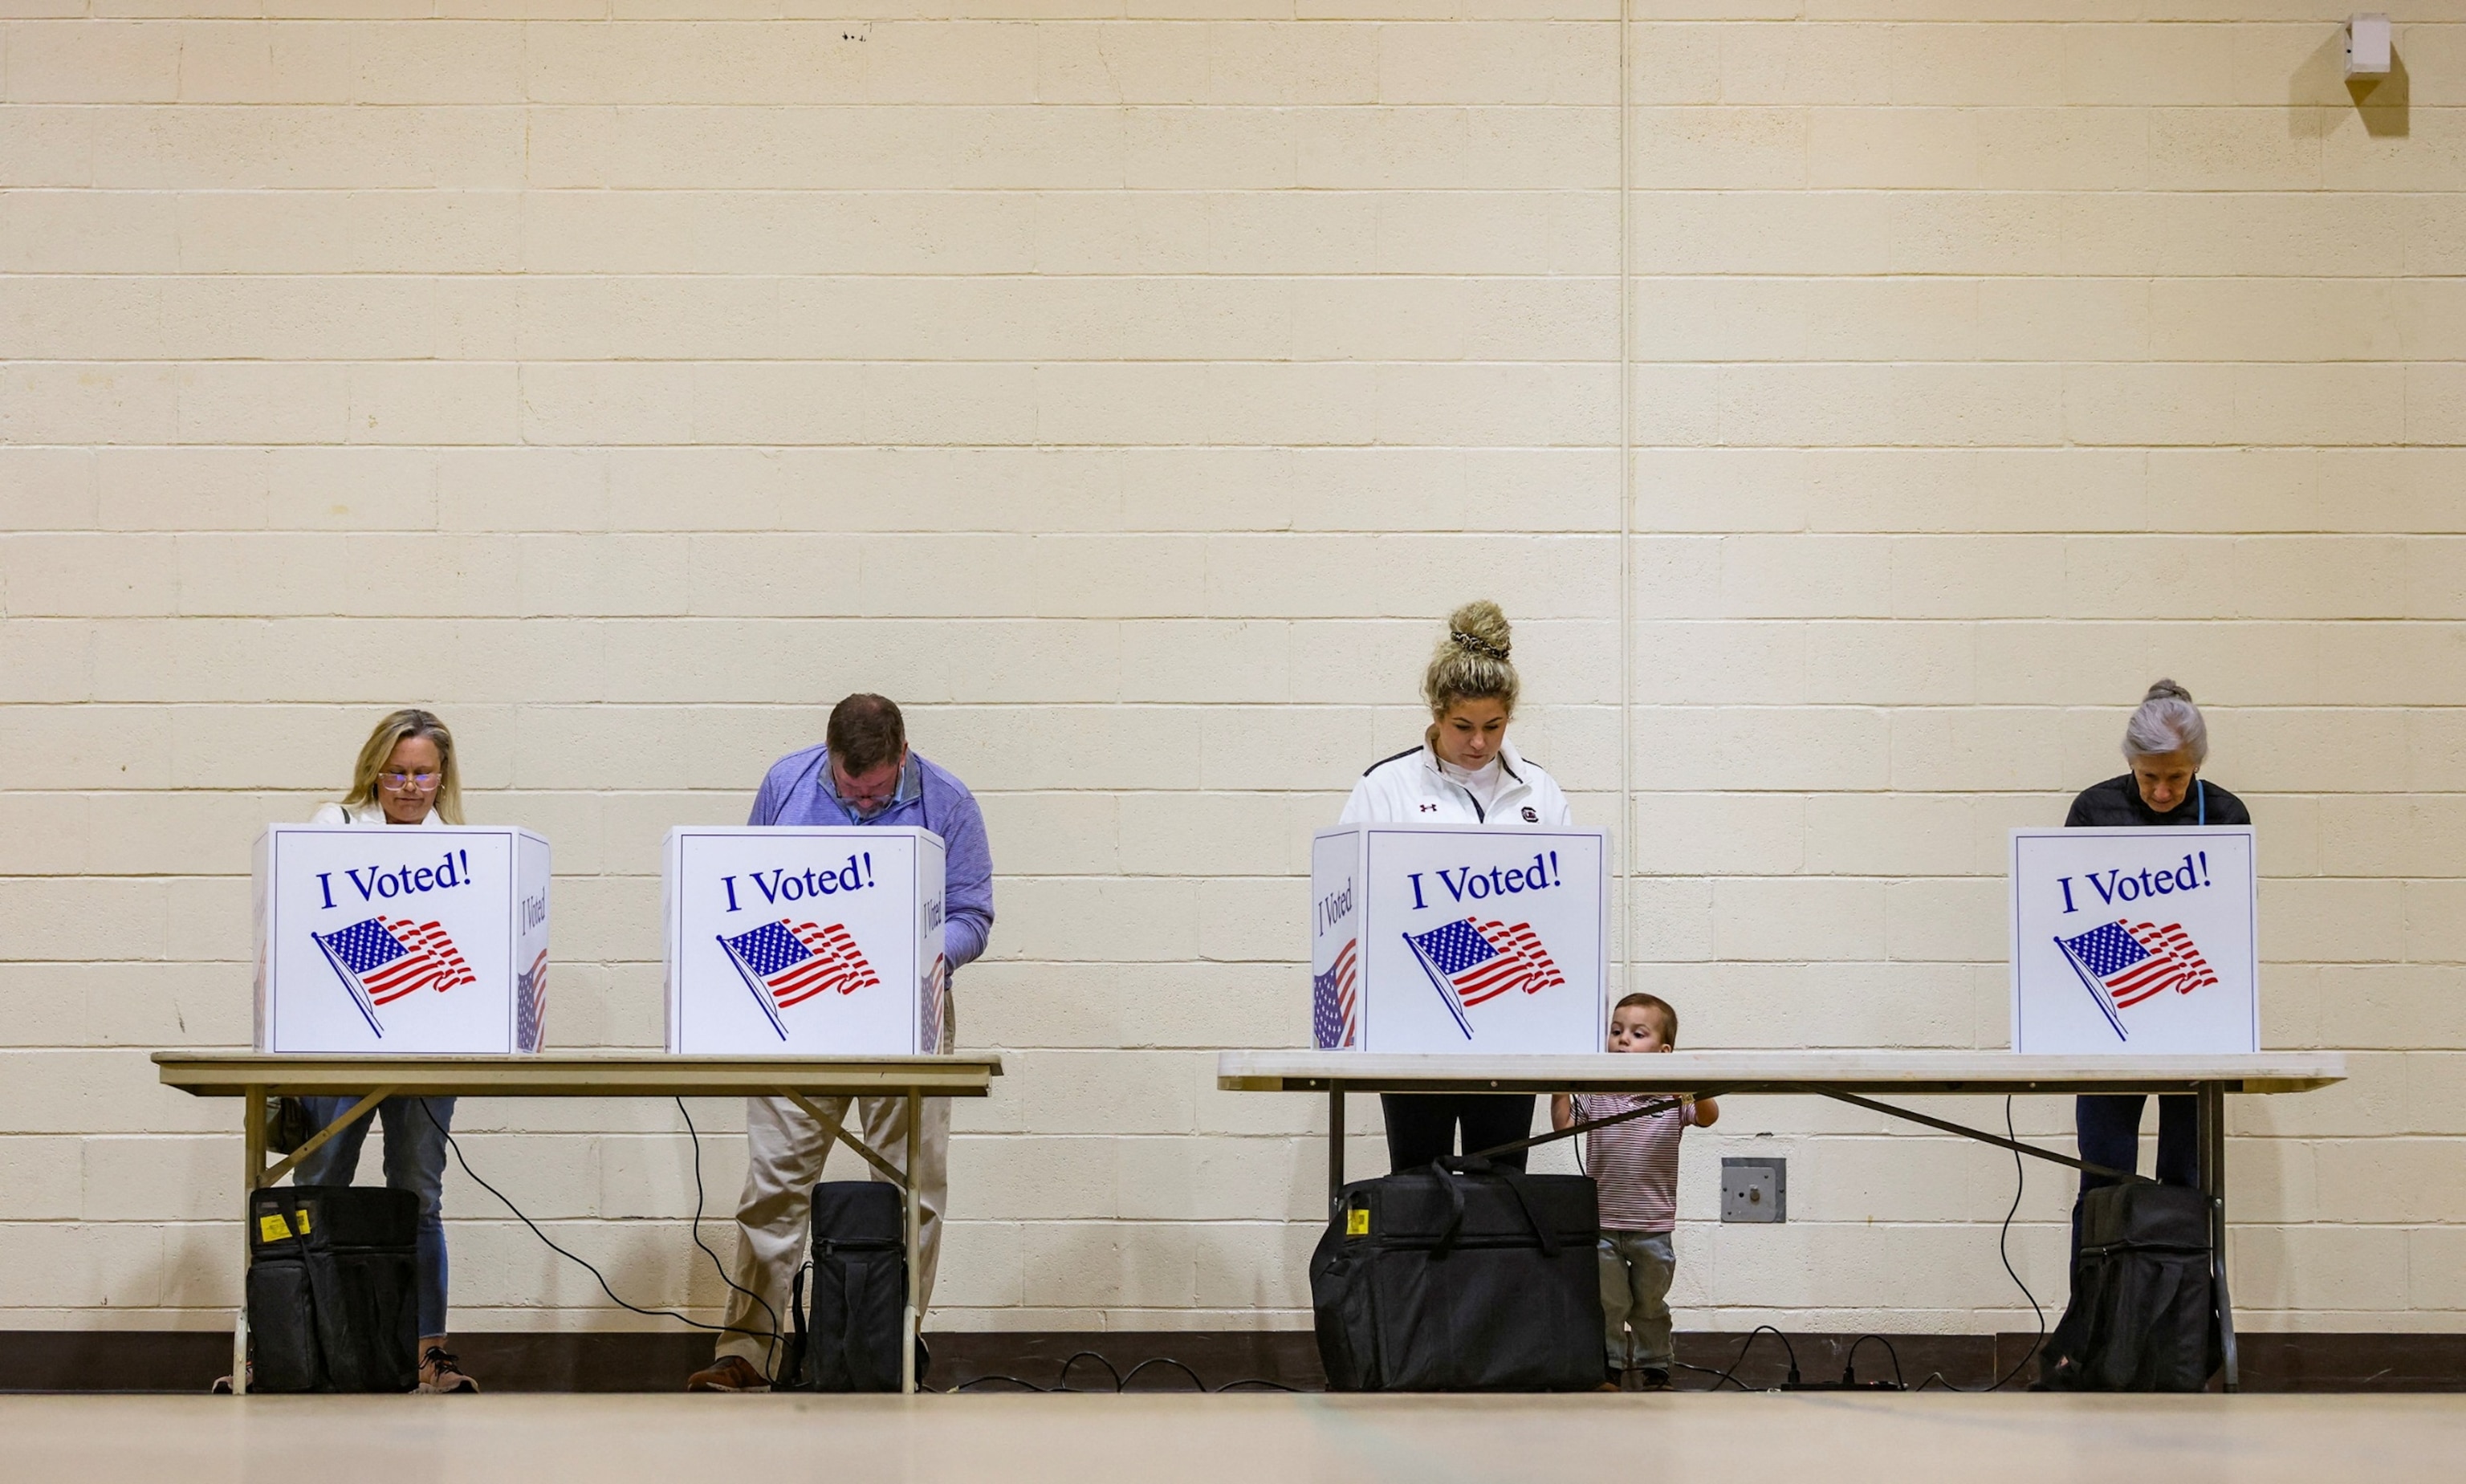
(1635, 1290)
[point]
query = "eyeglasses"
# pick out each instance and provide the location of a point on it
(409, 782)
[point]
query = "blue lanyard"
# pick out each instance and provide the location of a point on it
(2203, 789)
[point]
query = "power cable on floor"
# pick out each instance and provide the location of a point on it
(1121, 1379)
(544, 1240)
(2004, 1248)
(1731, 1375)
(770, 1351)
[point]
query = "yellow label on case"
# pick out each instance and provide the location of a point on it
(1356, 1222)
(303, 1221)
(273, 1229)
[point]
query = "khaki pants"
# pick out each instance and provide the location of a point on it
(786, 1150)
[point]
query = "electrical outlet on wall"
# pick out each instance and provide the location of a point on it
(1755, 1190)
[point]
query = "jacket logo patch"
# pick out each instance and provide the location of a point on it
(1532, 815)
(1429, 808)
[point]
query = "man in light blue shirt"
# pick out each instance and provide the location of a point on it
(863, 775)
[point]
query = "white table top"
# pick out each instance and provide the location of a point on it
(613, 1074)
(1775, 1071)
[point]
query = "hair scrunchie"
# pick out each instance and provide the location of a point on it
(1478, 645)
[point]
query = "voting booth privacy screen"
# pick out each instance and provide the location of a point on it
(401, 941)
(1446, 938)
(2135, 941)
(790, 940)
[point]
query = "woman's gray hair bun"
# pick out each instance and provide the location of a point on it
(2166, 722)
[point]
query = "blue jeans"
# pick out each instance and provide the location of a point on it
(2108, 1128)
(1636, 1267)
(415, 1160)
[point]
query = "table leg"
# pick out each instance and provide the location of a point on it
(2213, 1188)
(915, 1256)
(252, 1143)
(1334, 1145)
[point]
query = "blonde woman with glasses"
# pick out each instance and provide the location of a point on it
(405, 777)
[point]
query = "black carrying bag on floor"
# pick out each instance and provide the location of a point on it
(846, 1338)
(2142, 1312)
(334, 1284)
(1462, 1277)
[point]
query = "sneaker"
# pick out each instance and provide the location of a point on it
(441, 1375)
(1652, 1378)
(727, 1373)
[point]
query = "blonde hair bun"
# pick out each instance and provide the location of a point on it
(1481, 626)
(1472, 662)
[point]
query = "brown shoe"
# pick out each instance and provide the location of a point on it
(440, 1375)
(727, 1373)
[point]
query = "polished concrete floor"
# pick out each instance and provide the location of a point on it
(1164, 1440)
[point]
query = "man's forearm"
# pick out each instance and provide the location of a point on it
(963, 937)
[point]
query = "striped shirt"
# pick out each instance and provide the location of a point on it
(1635, 1163)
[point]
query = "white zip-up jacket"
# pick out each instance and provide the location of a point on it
(368, 814)
(1409, 789)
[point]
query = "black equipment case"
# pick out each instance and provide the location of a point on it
(847, 1339)
(1462, 1277)
(2142, 1313)
(332, 1289)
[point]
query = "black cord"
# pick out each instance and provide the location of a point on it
(1730, 1375)
(1132, 1374)
(1063, 1384)
(2003, 1249)
(1121, 1379)
(654, 1313)
(1028, 1386)
(1259, 1380)
(1850, 1362)
(1700, 1370)
(771, 1351)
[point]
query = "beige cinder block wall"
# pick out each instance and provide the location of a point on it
(1127, 393)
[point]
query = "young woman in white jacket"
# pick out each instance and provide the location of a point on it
(405, 777)
(1465, 772)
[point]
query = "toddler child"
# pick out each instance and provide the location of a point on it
(1635, 1164)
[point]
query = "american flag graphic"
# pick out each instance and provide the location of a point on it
(787, 963)
(381, 960)
(531, 1005)
(1335, 1018)
(2123, 964)
(1471, 961)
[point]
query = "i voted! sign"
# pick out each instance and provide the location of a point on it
(2133, 941)
(805, 942)
(386, 941)
(1443, 938)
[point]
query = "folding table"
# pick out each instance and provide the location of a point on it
(255, 1076)
(1852, 1077)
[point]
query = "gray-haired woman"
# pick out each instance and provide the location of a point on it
(2165, 743)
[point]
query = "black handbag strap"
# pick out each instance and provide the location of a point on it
(797, 1311)
(337, 1364)
(1455, 1209)
(855, 1278)
(1448, 1168)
